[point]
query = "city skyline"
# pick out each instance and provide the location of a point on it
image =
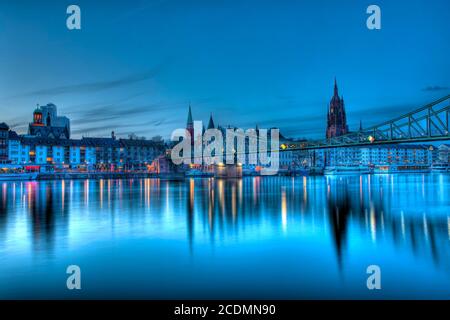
(257, 151)
(137, 69)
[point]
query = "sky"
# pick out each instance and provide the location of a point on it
(135, 66)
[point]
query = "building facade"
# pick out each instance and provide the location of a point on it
(401, 154)
(48, 146)
(47, 124)
(443, 154)
(4, 137)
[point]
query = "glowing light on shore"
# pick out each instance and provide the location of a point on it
(86, 192)
(101, 186)
(361, 188)
(402, 224)
(191, 192)
(305, 191)
(221, 195)
(283, 210)
(423, 186)
(373, 224)
(29, 193)
(448, 227)
(233, 202)
(109, 192)
(425, 226)
(167, 199)
(210, 202)
(63, 191)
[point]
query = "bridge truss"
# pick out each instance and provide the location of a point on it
(428, 123)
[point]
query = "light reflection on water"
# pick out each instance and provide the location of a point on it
(257, 237)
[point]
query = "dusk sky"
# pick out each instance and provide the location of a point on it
(135, 65)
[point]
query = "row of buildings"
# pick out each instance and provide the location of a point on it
(406, 155)
(47, 147)
(400, 155)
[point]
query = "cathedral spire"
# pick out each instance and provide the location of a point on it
(211, 122)
(190, 123)
(336, 91)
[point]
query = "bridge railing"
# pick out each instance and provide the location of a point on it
(428, 123)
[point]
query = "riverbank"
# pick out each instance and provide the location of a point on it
(108, 175)
(164, 176)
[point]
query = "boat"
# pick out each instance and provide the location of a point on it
(346, 170)
(385, 169)
(440, 167)
(25, 176)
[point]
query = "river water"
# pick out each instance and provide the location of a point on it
(256, 237)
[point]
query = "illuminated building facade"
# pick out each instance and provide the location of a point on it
(47, 124)
(402, 154)
(48, 145)
(443, 154)
(4, 137)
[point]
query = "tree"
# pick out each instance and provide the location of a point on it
(157, 138)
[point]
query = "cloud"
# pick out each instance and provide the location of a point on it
(435, 88)
(92, 87)
(140, 127)
(124, 112)
(18, 125)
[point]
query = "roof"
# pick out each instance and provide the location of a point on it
(139, 143)
(45, 131)
(100, 142)
(43, 141)
(12, 135)
(397, 146)
(4, 126)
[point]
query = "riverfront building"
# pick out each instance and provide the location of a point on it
(377, 155)
(47, 124)
(402, 154)
(4, 135)
(252, 161)
(48, 147)
(443, 154)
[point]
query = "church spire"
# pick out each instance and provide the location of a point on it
(211, 122)
(189, 123)
(336, 91)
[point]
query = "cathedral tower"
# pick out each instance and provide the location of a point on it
(336, 119)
